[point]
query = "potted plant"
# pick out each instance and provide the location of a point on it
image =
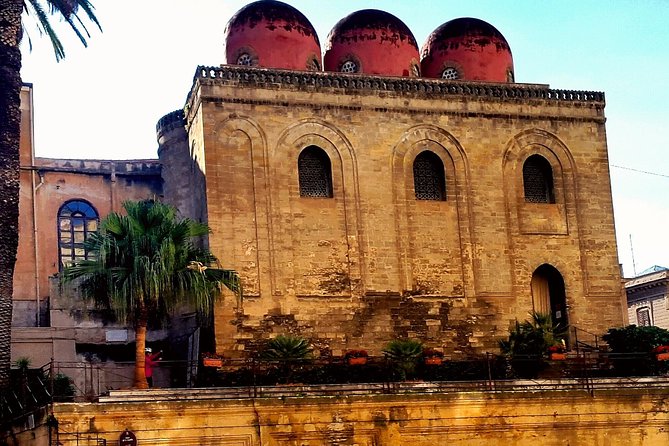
(432, 356)
(356, 357)
(556, 352)
(661, 352)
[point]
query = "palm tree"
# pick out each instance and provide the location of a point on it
(11, 32)
(145, 264)
(404, 354)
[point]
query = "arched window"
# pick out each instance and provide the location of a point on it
(315, 173)
(429, 181)
(76, 221)
(538, 180)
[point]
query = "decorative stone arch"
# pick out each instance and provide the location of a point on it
(345, 188)
(245, 136)
(312, 132)
(539, 218)
(440, 142)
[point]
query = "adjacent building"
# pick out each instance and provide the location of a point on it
(648, 298)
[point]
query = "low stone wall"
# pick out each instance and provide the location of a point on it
(614, 416)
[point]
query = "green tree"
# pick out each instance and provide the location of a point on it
(145, 264)
(11, 33)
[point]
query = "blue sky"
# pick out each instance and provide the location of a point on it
(104, 101)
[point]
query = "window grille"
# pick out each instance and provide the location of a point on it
(315, 173)
(245, 59)
(643, 317)
(538, 180)
(450, 73)
(77, 220)
(349, 67)
(428, 177)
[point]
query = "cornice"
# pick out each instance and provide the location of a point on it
(412, 87)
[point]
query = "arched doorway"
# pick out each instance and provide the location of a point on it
(548, 294)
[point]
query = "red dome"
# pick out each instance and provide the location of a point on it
(272, 34)
(468, 49)
(372, 42)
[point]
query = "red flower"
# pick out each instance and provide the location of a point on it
(431, 352)
(356, 354)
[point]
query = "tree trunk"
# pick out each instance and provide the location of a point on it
(140, 345)
(10, 118)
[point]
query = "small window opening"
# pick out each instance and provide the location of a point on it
(428, 177)
(450, 73)
(538, 180)
(349, 67)
(245, 59)
(643, 317)
(315, 173)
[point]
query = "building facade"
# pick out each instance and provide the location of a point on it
(648, 298)
(396, 193)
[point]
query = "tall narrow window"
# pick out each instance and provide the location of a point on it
(315, 173)
(76, 221)
(643, 317)
(538, 180)
(429, 181)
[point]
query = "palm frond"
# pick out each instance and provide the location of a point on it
(69, 11)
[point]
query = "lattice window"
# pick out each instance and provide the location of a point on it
(315, 173)
(349, 67)
(428, 177)
(245, 59)
(450, 73)
(538, 180)
(77, 220)
(643, 317)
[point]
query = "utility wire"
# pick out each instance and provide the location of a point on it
(641, 171)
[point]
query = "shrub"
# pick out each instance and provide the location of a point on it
(634, 347)
(633, 339)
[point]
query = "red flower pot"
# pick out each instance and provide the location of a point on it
(357, 361)
(433, 360)
(212, 362)
(558, 356)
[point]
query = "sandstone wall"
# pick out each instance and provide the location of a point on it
(611, 418)
(373, 263)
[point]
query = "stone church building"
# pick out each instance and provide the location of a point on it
(364, 189)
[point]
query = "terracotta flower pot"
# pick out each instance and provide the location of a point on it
(357, 361)
(662, 356)
(212, 362)
(558, 356)
(433, 360)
